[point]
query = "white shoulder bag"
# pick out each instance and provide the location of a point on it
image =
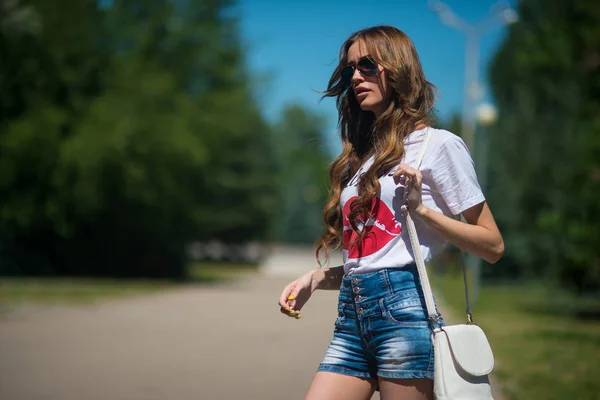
(463, 356)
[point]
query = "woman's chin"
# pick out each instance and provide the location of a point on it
(369, 105)
(366, 106)
(374, 107)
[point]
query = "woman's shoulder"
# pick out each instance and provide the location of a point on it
(442, 137)
(445, 147)
(438, 137)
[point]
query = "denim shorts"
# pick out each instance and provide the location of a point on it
(382, 328)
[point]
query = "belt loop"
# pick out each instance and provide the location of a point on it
(388, 285)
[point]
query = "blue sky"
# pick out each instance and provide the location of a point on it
(295, 43)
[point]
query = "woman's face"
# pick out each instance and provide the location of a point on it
(371, 92)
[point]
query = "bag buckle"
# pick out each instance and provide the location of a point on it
(435, 320)
(470, 319)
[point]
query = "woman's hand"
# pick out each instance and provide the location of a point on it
(411, 179)
(295, 295)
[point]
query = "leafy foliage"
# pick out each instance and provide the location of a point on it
(545, 162)
(127, 130)
(303, 162)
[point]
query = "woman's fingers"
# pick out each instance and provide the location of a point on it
(405, 170)
(293, 301)
(403, 174)
(295, 295)
(408, 176)
(410, 179)
(290, 313)
(283, 299)
(287, 301)
(400, 176)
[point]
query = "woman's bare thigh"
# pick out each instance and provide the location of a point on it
(332, 386)
(406, 389)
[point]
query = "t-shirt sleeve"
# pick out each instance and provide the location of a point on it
(453, 172)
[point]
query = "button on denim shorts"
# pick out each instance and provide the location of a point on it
(382, 327)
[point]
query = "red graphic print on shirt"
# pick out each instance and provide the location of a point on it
(379, 229)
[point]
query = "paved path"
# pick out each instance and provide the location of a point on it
(223, 342)
(202, 342)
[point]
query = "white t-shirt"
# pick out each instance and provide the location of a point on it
(449, 186)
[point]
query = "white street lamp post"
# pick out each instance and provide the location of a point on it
(486, 117)
(502, 13)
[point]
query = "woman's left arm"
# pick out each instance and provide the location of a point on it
(479, 236)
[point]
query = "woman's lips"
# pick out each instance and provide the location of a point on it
(362, 95)
(381, 228)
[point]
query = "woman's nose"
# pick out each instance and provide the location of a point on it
(357, 77)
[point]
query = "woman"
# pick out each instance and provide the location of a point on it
(382, 337)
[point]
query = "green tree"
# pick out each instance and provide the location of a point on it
(546, 145)
(128, 131)
(303, 160)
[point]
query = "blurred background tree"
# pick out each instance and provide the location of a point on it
(304, 179)
(127, 130)
(545, 157)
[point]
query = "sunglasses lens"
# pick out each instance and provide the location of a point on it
(367, 67)
(346, 76)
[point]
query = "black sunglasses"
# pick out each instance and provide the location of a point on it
(366, 66)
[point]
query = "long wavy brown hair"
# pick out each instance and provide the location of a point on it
(363, 135)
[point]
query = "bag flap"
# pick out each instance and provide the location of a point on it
(470, 348)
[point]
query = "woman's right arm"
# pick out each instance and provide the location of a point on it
(328, 278)
(296, 294)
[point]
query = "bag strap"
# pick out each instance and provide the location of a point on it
(416, 247)
(418, 256)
